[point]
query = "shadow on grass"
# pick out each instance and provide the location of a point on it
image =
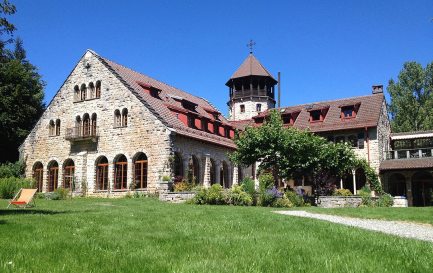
(2, 222)
(29, 211)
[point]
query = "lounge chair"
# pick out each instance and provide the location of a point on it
(25, 199)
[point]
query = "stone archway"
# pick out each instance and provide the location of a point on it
(397, 185)
(422, 189)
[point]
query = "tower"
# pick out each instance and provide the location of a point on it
(251, 89)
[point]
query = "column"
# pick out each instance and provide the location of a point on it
(110, 176)
(229, 175)
(235, 175)
(354, 181)
(186, 166)
(130, 175)
(341, 183)
(207, 170)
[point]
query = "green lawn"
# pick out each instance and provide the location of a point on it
(145, 235)
(411, 214)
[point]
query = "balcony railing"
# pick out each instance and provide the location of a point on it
(82, 133)
(409, 153)
(248, 92)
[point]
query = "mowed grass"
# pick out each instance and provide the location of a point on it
(411, 214)
(145, 235)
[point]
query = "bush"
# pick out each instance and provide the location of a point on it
(266, 181)
(385, 200)
(63, 193)
(182, 186)
(10, 186)
(238, 197)
(294, 198)
(249, 186)
(200, 197)
(268, 197)
(283, 202)
(215, 195)
(342, 192)
(12, 169)
(166, 178)
(364, 191)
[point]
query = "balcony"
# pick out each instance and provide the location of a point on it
(409, 153)
(247, 93)
(82, 133)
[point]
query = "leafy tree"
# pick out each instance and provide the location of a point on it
(288, 152)
(21, 90)
(411, 106)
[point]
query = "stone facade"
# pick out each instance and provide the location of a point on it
(339, 201)
(250, 107)
(144, 133)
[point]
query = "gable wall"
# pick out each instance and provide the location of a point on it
(144, 133)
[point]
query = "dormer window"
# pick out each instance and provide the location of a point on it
(315, 115)
(149, 89)
(348, 112)
(318, 115)
(191, 121)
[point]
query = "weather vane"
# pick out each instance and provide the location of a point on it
(250, 46)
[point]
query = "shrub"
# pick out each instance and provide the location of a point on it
(269, 196)
(12, 169)
(11, 185)
(200, 197)
(215, 195)
(62, 192)
(342, 192)
(166, 178)
(52, 195)
(249, 186)
(283, 202)
(182, 186)
(266, 181)
(364, 191)
(294, 198)
(385, 200)
(238, 197)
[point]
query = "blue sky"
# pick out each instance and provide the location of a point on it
(324, 49)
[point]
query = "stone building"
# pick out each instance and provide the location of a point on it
(110, 129)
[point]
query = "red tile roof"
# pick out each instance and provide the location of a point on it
(403, 164)
(368, 114)
(169, 97)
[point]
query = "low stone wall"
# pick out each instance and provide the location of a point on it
(339, 201)
(176, 197)
(400, 202)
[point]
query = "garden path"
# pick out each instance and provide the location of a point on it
(403, 229)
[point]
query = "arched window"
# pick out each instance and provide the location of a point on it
(102, 173)
(178, 165)
(92, 90)
(76, 93)
(52, 128)
(194, 170)
(224, 175)
(98, 89)
(58, 127)
(86, 125)
(140, 171)
(53, 175)
(93, 129)
(83, 92)
(124, 117)
(77, 128)
(117, 118)
(38, 175)
(68, 174)
(120, 172)
(212, 177)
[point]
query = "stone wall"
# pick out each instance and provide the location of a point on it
(176, 197)
(143, 133)
(250, 107)
(339, 201)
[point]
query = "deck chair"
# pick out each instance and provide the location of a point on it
(24, 198)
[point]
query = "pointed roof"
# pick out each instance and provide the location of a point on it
(251, 67)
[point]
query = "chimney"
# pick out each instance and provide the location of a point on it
(377, 89)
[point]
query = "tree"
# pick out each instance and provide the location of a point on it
(21, 91)
(288, 152)
(411, 106)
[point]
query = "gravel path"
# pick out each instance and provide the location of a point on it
(403, 229)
